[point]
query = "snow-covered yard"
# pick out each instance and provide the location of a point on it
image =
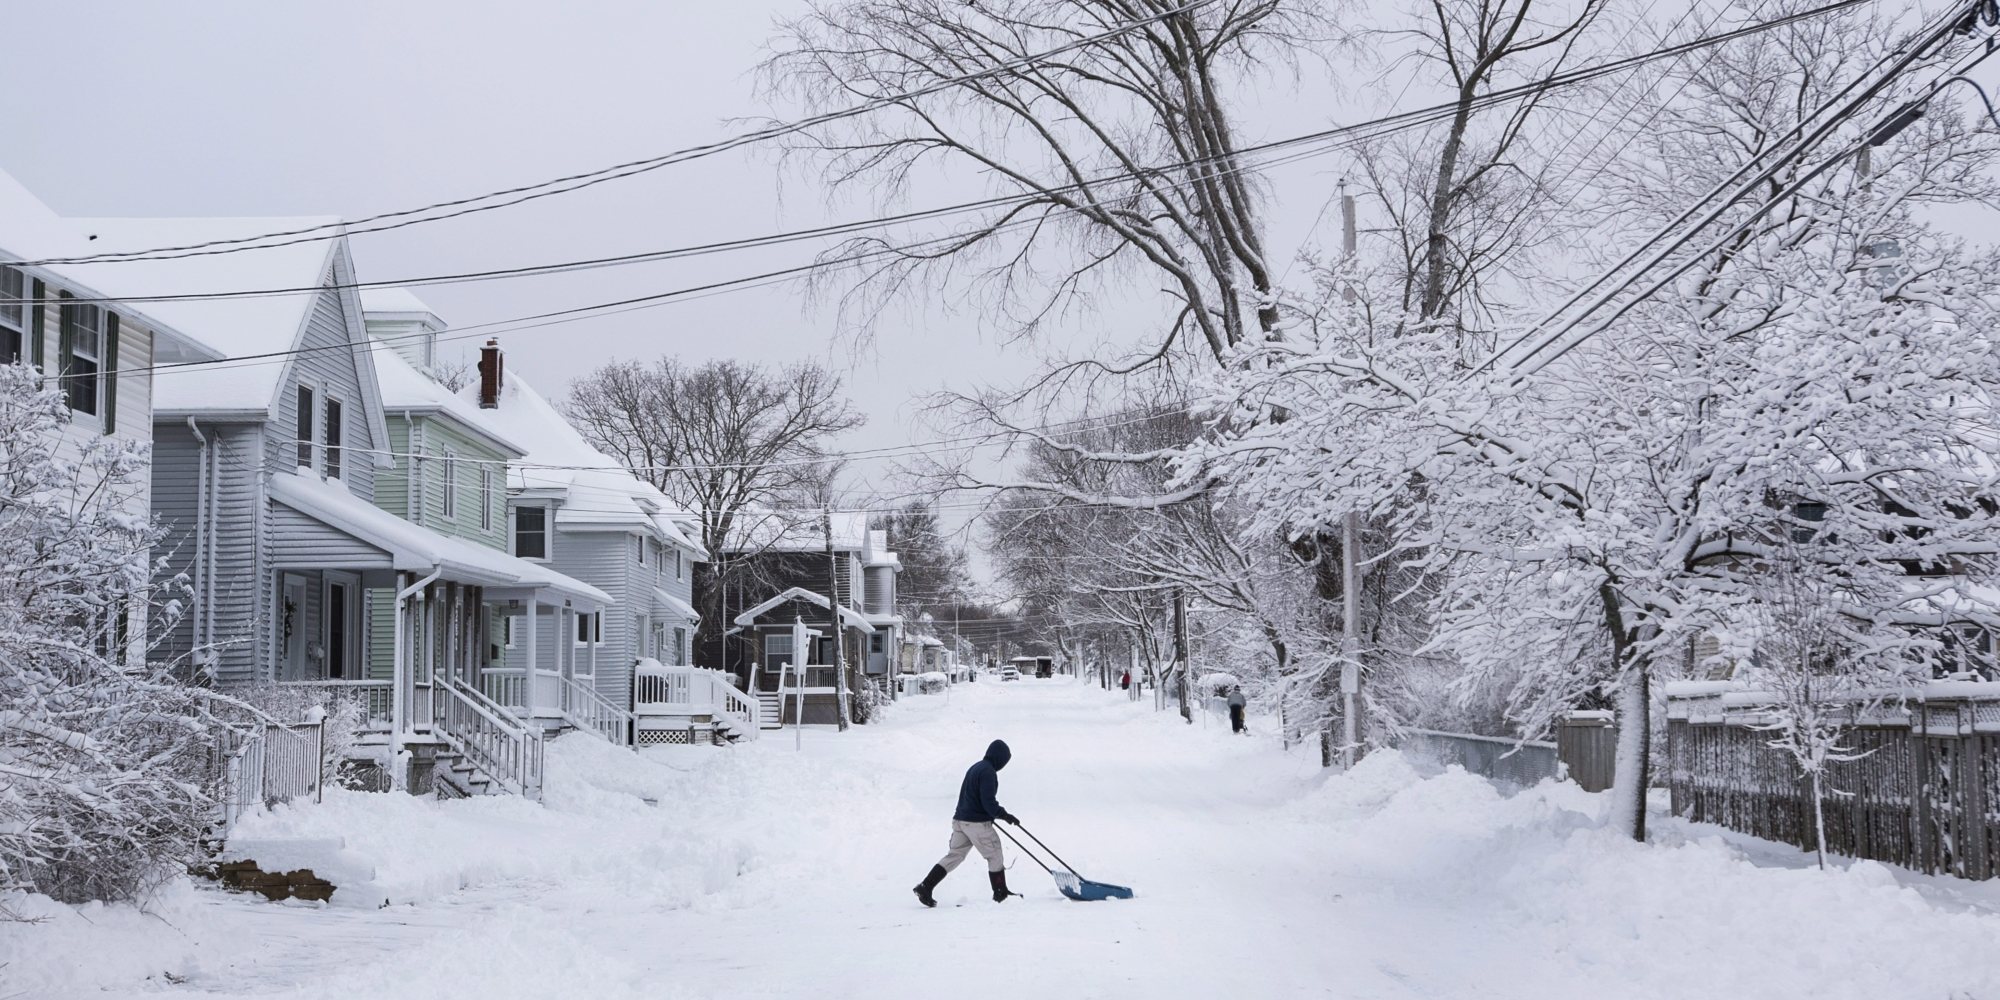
(765, 872)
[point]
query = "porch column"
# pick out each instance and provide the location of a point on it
(534, 651)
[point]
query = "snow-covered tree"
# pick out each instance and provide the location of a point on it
(104, 757)
(1589, 509)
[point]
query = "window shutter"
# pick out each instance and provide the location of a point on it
(65, 338)
(108, 372)
(38, 318)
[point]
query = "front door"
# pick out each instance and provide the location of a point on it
(293, 636)
(342, 620)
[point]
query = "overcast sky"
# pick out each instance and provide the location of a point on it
(254, 108)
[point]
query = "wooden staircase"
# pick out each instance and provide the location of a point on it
(770, 711)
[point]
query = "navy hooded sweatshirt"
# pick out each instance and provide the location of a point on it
(976, 794)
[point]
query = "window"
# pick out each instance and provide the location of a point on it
(641, 539)
(777, 648)
(336, 630)
(509, 628)
(531, 532)
(590, 628)
(485, 497)
(303, 420)
(680, 572)
(450, 465)
(14, 315)
(680, 647)
(82, 356)
(875, 642)
(335, 420)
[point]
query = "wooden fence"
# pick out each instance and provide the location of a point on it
(1923, 795)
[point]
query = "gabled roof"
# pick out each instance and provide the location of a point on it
(415, 548)
(229, 327)
(847, 615)
(595, 489)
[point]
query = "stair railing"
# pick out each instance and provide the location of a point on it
(591, 712)
(489, 737)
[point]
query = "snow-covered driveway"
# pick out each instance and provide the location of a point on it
(768, 872)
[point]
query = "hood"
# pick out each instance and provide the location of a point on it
(998, 755)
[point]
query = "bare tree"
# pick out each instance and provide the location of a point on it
(742, 446)
(1121, 150)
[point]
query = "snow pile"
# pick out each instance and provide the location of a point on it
(1689, 914)
(84, 947)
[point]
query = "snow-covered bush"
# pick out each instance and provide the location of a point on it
(104, 758)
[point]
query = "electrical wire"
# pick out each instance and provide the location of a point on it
(573, 182)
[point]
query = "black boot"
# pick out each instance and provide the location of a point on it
(923, 889)
(999, 880)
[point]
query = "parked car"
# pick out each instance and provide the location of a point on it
(1008, 673)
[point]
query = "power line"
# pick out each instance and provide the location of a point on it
(1794, 144)
(1351, 133)
(1522, 367)
(574, 182)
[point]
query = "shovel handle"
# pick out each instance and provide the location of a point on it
(1038, 843)
(1023, 848)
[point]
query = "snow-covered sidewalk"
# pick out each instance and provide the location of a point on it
(759, 871)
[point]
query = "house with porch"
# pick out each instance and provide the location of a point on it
(576, 510)
(66, 321)
(782, 578)
(265, 475)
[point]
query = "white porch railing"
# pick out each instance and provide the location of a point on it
(377, 698)
(490, 737)
(591, 712)
(506, 686)
(663, 690)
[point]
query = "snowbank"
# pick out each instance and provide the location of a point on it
(1689, 914)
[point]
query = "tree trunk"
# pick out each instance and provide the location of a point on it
(833, 613)
(1632, 773)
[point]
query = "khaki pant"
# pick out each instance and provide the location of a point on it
(965, 837)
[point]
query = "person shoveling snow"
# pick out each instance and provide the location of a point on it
(972, 826)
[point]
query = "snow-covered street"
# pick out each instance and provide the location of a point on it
(789, 875)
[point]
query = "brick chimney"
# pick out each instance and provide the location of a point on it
(489, 375)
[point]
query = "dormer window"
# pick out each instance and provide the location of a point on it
(531, 532)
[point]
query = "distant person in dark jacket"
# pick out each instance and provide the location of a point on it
(972, 825)
(1236, 705)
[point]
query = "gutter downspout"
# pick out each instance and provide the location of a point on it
(201, 545)
(399, 702)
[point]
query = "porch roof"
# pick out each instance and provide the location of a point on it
(415, 548)
(672, 605)
(847, 615)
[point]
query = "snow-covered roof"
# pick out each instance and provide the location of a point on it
(415, 548)
(398, 303)
(594, 487)
(669, 604)
(406, 388)
(229, 327)
(847, 614)
(930, 640)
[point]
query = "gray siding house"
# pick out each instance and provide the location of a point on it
(265, 476)
(66, 321)
(578, 511)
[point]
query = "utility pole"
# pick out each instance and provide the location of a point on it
(1350, 561)
(1181, 652)
(833, 610)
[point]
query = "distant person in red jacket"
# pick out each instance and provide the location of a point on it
(1125, 681)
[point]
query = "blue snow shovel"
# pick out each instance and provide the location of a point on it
(1072, 885)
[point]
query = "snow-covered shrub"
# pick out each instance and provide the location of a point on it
(104, 758)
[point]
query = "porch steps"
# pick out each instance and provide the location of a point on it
(770, 714)
(458, 778)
